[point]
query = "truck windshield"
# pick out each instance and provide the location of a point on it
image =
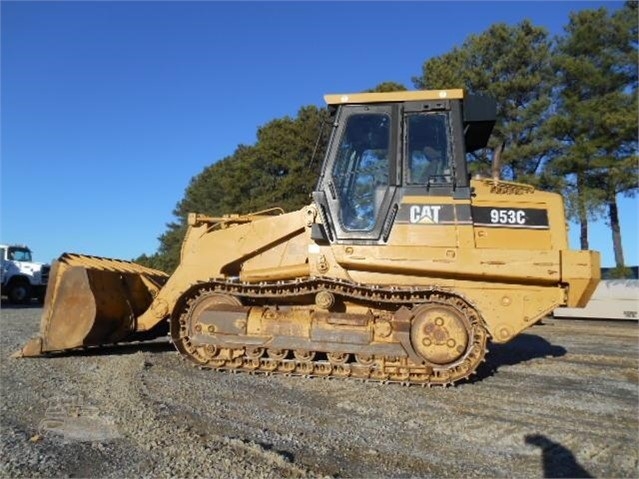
(19, 254)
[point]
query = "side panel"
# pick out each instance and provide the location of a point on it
(432, 221)
(513, 216)
(433, 264)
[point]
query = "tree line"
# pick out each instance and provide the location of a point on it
(567, 121)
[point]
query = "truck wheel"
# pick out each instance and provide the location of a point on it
(19, 292)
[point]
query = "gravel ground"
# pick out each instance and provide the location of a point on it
(559, 401)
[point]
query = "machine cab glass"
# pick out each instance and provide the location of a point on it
(361, 170)
(360, 177)
(427, 154)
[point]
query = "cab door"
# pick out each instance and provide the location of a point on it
(360, 177)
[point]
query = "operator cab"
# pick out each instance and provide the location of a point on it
(385, 146)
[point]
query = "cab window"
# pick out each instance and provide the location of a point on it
(361, 170)
(427, 149)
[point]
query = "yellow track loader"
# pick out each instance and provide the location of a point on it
(400, 269)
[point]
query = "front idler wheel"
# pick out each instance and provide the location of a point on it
(185, 327)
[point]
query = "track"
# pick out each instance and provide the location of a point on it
(402, 365)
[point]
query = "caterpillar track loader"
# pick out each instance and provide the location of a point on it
(400, 269)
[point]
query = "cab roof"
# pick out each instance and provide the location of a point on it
(393, 96)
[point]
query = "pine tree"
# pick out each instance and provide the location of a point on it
(511, 64)
(596, 117)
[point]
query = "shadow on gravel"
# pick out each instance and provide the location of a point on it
(157, 346)
(7, 305)
(286, 455)
(521, 349)
(557, 460)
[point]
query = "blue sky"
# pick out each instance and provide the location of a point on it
(109, 109)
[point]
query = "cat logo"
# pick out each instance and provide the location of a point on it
(424, 214)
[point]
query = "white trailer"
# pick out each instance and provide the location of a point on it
(613, 299)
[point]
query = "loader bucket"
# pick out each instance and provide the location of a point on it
(92, 301)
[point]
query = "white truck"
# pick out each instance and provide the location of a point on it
(22, 279)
